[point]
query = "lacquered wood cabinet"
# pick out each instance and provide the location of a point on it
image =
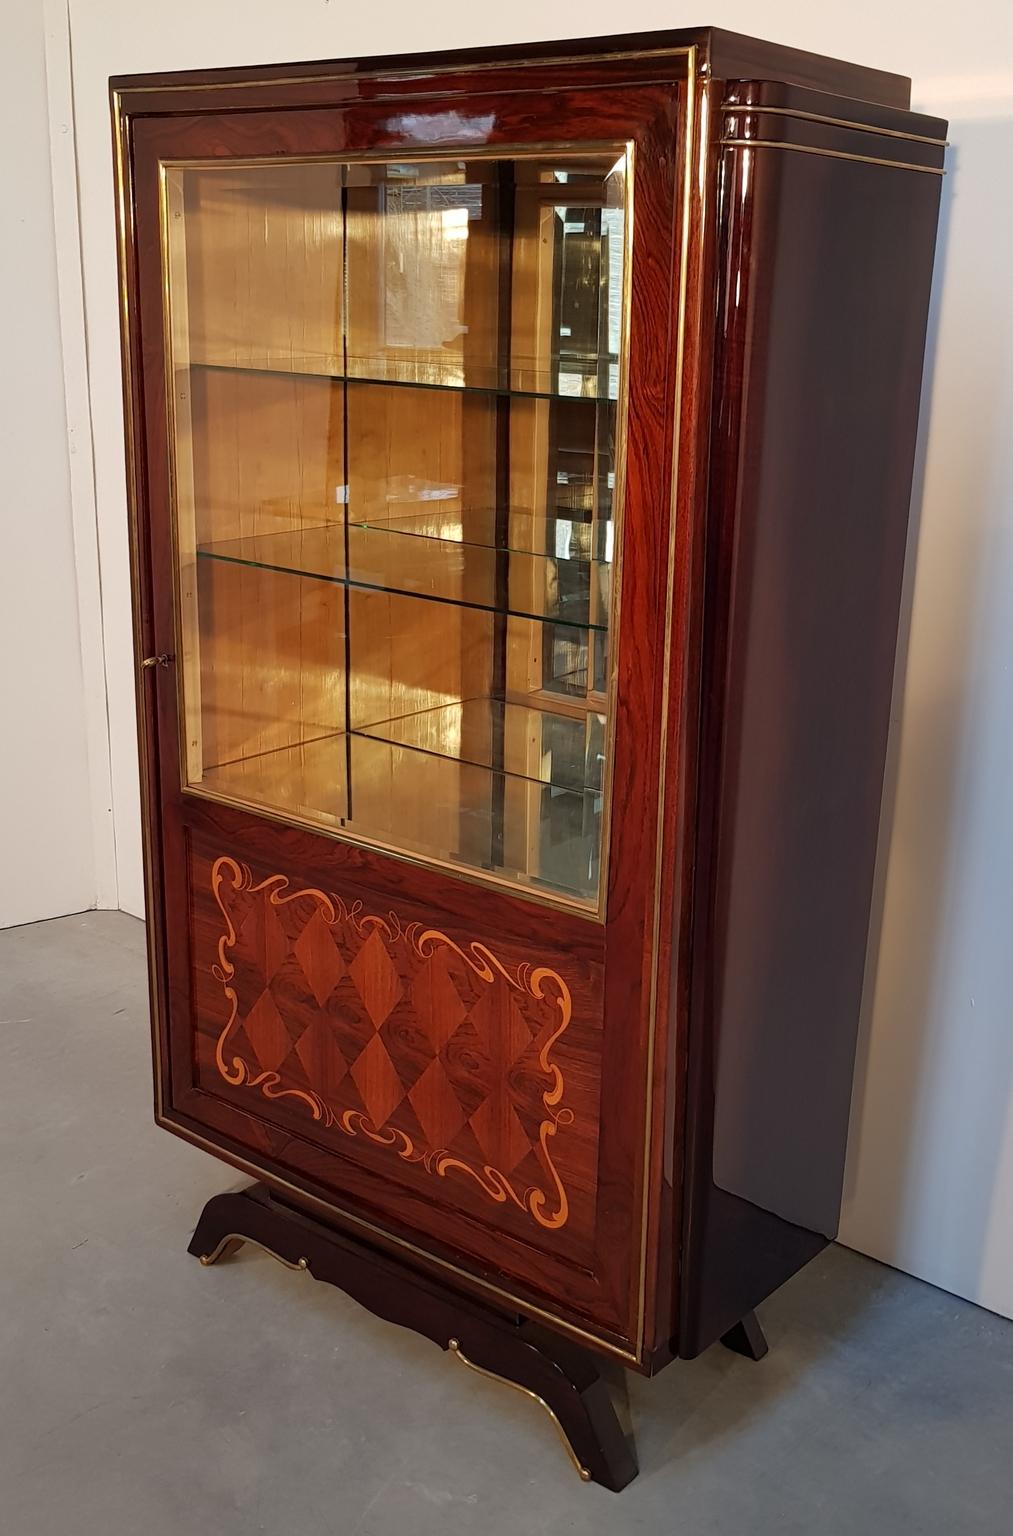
(520, 445)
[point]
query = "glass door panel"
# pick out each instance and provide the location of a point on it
(394, 397)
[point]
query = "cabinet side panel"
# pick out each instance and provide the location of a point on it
(827, 275)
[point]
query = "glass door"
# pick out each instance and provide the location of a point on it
(395, 414)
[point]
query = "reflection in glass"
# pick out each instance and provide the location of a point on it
(394, 393)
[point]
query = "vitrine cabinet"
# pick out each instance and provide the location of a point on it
(520, 445)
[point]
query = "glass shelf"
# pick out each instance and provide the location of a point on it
(438, 570)
(578, 538)
(532, 742)
(572, 382)
(460, 812)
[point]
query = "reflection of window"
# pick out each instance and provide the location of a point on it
(568, 841)
(588, 299)
(564, 659)
(425, 231)
(580, 536)
(586, 327)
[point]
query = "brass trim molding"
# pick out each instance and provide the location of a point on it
(832, 122)
(455, 1349)
(831, 154)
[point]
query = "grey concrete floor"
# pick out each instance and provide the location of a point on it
(141, 1395)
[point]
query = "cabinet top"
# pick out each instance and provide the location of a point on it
(721, 54)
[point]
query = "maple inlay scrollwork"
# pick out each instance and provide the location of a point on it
(418, 1047)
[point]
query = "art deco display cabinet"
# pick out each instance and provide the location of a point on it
(520, 445)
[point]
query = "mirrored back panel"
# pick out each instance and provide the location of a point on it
(396, 424)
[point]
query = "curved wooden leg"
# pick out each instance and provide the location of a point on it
(565, 1380)
(559, 1375)
(746, 1338)
(237, 1217)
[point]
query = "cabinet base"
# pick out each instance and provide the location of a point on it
(562, 1377)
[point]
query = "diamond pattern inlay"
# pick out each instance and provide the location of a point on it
(321, 964)
(437, 1000)
(377, 1082)
(499, 1132)
(416, 1045)
(436, 1104)
(264, 938)
(375, 976)
(266, 1032)
(320, 1055)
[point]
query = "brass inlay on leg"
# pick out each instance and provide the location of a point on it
(233, 1242)
(455, 1349)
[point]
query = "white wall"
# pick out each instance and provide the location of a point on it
(931, 1169)
(47, 853)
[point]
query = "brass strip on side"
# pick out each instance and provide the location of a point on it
(831, 154)
(420, 72)
(480, 1370)
(680, 349)
(587, 149)
(613, 631)
(125, 246)
(233, 1240)
(451, 93)
(187, 651)
(832, 122)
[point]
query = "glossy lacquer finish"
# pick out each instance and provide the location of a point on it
(619, 1109)
(427, 1053)
(808, 524)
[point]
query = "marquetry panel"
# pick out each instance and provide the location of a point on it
(445, 1059)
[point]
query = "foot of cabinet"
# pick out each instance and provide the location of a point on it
(746, 1338)
(559, 1375)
